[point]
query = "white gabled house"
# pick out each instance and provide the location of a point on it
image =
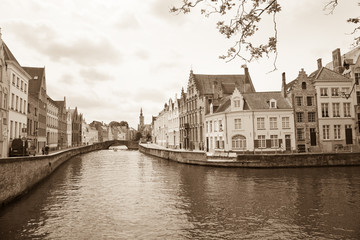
(256, 122)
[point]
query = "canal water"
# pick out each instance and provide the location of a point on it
(128, 195)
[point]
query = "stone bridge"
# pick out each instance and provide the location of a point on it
(132, 145)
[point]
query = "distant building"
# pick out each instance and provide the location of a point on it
(335, 113)
(4, 99)
(257, 122)
(202, 91)
(144, 129)
(62, 126)
(76, 120)
(19, 82)
(38, 105)
(52, 124)
(302, 94)
(69, 127)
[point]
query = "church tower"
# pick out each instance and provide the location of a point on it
(141, 118)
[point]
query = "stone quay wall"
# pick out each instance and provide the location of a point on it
(19, 174)
(255, 160)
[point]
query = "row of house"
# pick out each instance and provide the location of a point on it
(316, 112)
(28, 112)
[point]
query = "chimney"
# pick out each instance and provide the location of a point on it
(283, 85)
(336, 56)
(247, 78)
(319, 63)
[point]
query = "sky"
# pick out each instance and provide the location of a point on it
(110, 58)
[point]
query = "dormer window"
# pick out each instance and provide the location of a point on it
(273, 103)
(237, 103)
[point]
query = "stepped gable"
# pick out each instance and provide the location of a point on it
(260, 100)
(204, 83)
(325, 74)
(35, 84)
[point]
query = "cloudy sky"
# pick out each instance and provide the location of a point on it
(112, 57)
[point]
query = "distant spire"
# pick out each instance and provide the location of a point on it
(141, 112)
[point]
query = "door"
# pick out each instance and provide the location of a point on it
(312, 136)
(207, 144)
(348, 135)
(287, 142)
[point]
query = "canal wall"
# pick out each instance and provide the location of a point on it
(18, 175)
(255, 160)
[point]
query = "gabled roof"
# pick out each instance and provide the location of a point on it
(261, 100)
(325, 74)
(60, 104)
(8, 54)
(36, 78)
(204, 83)
(256, 101)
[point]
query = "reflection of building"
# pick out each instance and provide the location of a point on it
(38, 105)
(301, 92)
(260, 122)
(4, 108)
(19, 82)
(203, 90)
(52, 124)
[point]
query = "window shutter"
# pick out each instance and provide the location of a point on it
(256, 143)
(268, 143)
(280, 142)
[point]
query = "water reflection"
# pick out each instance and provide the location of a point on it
(128, 195)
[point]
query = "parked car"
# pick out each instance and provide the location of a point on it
(19, 147)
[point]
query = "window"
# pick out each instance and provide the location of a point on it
(325, 110)
(21, 101)
(260, 123)
(13, 79)
(238, 142)
(336, 109)
(273, 123)
(11, 130)
(334, 92)
(310, 101)
(207, 127)
(17, 103)
(347, 110)
(357, 77)
(220, 126)
(298, 101)
(323, 92)
(311, 117)
(300, 134)
(261, 141)
(25, 88)
(12, 101)
(326, 132)
(210, 126)
(22, 85)
(299, 117)
(303, 85)
(336, 131)
(358, 97)
(215, 126)
(17, 82)
(274, 141)
(285, 122)
(238, 123)
(237, 103)
(24, 111)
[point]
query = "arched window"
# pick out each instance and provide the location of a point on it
(238, 142)
(303, 85)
